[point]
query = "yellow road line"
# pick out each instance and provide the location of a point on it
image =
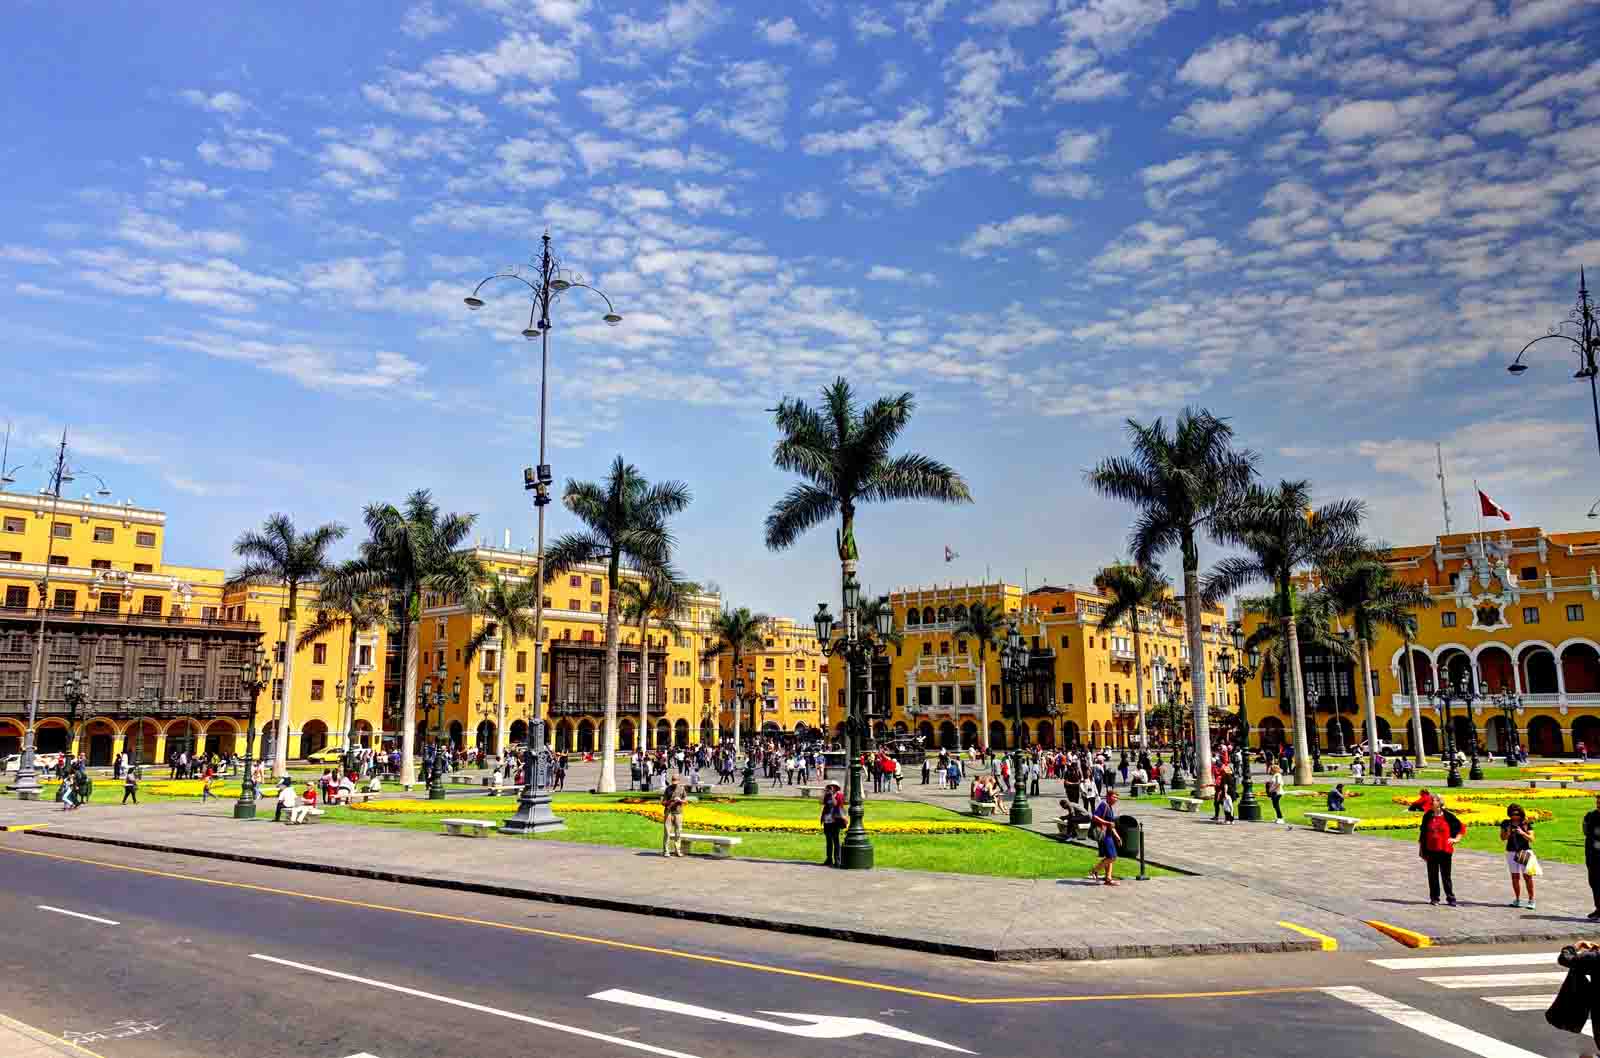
(1410, 938)
(39, 1035)
(716, 960)
(16, 828)
(1328, 943)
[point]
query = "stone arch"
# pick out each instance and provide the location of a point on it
(1069, 734)
(313, 737)
(1544, 737)
(585, 742)
(1586, 729)
(1453, 664)
(97, 742)
(563, 738)
(927, 615)
(1461, 727)
(363, 735)
(1340, 732)
(1094, 734)
(913, 617)
(1580, 666)
(880, 730)
(900, 728)
(1496, 667)
(708, 732)
(1430, 736)
(519, 731)
(221, 737)
(969, 734)
(1385, 733)
(139, 740)
(1046, 735)
(1421, 669)
(959, 613)
(483, 737)
(1536, 664)
(997, 735)
(663, 734)
(456, 733)
(944, 615)
(11, 733)
(680, 733)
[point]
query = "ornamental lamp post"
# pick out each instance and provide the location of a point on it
(545, 289)
(1242, 672)
(255, 675)
(1014, 659)
(72, 692)
(859, 651)
(1510, 704)
(1442, 698)
(1586, 344)
(1470, 694)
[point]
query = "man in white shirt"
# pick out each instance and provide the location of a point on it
(287, 799)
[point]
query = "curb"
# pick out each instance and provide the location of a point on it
(1072, 953)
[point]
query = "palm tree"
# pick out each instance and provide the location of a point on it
(660, 597)
(1135, 590)
(1280, 534)
(1179, 480)
(733, 632)
(986, 624)
(408, 549)
(344, 603)
(627, 528)
(506, 607)
(1367, 589)
(1313, 626)
(280, 554)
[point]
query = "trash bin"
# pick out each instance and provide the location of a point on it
(1132, 836)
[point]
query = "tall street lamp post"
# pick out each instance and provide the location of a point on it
(1014, 661)
(1166, 679)
(1444, 697)
(1510, 704)
(347, 701)
(1586, 343)
(256, 675)
(1314, 729)
(72, 692)
(1242, 672)
(859, 652)
(27, 785)
(545, 288)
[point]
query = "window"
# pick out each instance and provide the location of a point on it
(1377, 687)
(151, 607)
(1268, 690)
(319, 654)
(59, 560)
(62, 531)
(575, 604)
(1530, 615)
(316, 690)
(1575, 611)
(277, 690)
(15, 525)
(522, 661)
(899, 696)
(109, 602)
(1529, 573)
(10, 556)
(99, 563)
(521, 693)
(994, 694)
(924, 695)
(547, 603)
(927, 649)
(143, 567)
(594, 606)
(1066, 641)
(1092, 697)
(208, 613)
(491, 661)
(364, 656)
(103, 534)
(594, 586)
(770, 664)
(145, 539)
(1447, 619)
(944, 646)
(1066, 693)
(575, 581)
(17, 598)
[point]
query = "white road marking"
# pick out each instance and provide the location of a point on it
(1551, 977)
(816, 1027)
(480, 1008)
(1521, 1002)
(1462, 962)
(1429, 1024)
(79, 914)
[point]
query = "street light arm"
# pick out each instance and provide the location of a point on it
(537, 288)
(1544, 337)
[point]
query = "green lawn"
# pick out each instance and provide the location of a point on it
(1006, 853)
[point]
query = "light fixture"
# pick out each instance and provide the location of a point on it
(473, 302)
(1517, 368)
(852, 594)
(558, 285)
(824, 623)
(885, 617)
(1225, 663)
(530, 332)
(612, 318)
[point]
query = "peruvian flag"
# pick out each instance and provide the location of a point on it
(1490, 508)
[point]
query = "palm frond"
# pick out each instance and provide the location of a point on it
(571, 550)
(915, 477)
(802, 507)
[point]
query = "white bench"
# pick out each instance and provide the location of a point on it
(1143, 789)
(808, 791)
(1320, 821)
(310, 815)
(1184, 804)
(983, 808)
(1534, 784)
(1373, 780)
(721, 846)
(469, 828)
(498, 788)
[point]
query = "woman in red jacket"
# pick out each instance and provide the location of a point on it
(1436, 844)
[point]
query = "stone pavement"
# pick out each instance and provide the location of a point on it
(24, 1041)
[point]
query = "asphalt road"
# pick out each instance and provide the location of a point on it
(218, 960)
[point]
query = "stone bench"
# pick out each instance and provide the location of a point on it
(1143, 789)
(1184, 804)
(983, 808)
(809, 791)
(469, 828)
(461, 777)
(500, 788)
(722, 846)
(702, 788)
(1320, 821)
(311, 816)
(1373, 780)
(1534, 784)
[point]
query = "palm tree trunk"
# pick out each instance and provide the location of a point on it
(1372, 707)
(1138, 680)
(1297, 699)
(608, 734)
(280, 749)
(408, 694)
(643, 739)
(1197, 674)
(348, 707)
(738, 707)
(1416, 708)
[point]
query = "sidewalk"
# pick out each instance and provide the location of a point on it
(24, 1041)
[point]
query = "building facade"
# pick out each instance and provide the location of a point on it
(1515, 615)
(785, 681)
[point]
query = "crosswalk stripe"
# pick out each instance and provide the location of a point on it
(1429, 1024)
(1462, 962)
(1553, 977)
(1521, 1002)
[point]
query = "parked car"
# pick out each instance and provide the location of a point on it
(41, 762)
(1388, 749)
(326, 756)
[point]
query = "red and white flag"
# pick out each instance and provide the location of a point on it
(1491, 509)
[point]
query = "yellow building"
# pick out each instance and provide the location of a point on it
(785, 681)
(1081, 690)
(684, 692)
(1515, 614)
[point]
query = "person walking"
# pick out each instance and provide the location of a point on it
(1591, 854)
(130, 785)
(926, 771)
(673, 798)
(1436, 845)
(1104, 820)
(833, 824)
(1229, 789)
(1517, 833)
(206, 793)
(1275, 791)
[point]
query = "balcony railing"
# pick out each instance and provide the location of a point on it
(102, 617)
(624, 709)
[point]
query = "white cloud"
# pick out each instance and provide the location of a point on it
(158, 233)
(421, 21)
(1147, 244)
(620, 109)
(229, 103)
(869, 24)
(247, 149)
(421, 104)
(1112, 25)
(518, 57)
(682, 24)
(779, 31)
(1078, 77)
(1011, 14)
(703, 198)
(1025, 227)
(1529, 121)
(805, 205)
(1231, 117)
(893, 274)
(29, 255)
(758, 101)
(1189, 174)
(1073, 150)
(312, 366)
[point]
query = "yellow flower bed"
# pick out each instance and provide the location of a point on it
(1504, 797)
(189, 787)
(1474, 815)
(713, 819)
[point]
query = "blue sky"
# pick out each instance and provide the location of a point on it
(235, 241)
